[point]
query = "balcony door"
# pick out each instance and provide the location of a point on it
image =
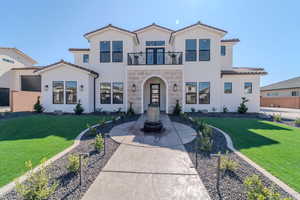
(155, 56)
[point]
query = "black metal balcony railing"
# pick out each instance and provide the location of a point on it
(159, 58)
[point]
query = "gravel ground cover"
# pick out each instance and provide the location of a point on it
(69, 187)
(231, 185)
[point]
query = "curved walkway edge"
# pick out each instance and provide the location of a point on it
(5, 189)
(284, 186)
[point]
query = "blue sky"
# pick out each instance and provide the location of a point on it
(269, 30)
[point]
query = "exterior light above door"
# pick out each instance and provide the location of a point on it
(81, 87)
(133, 88)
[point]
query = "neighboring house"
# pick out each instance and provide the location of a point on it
(284, 94)
(19, 85)
(154, 64)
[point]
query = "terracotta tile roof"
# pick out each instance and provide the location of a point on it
(79, 49)
(70, 64)
(21, 53)
(231, 40)
(153, 24)
(286, 84)
(244, 71)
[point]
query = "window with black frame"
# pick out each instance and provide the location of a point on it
(117, 51)
(58, 92)
(248, 88)
(223, 50)
(118, 90)
(71, 92)
(227, 87)
(191, 93)
(31, 83)
(190, 50)
(204, 93)
(105, 51)
(85, 58)
(204, 49)
(105, 93)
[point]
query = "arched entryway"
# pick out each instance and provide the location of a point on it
(154, 90)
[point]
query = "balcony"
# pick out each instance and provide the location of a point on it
(155, 58)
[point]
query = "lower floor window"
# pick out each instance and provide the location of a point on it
(204, 93)
(105, 93)
(71, 92)
(58, 92)
(191, 92)
(118, 93)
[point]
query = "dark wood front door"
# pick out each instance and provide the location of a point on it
(155, 94)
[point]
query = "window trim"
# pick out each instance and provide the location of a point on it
(206, 50)
(204, 93)
(189, 93)
(110, 92)
(195, 51)
(63, 100)
(113, 93)
(230, 88)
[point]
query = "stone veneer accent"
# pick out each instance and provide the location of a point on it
(137, 77)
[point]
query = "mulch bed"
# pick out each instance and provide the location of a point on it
(231, 185)
(69, 187)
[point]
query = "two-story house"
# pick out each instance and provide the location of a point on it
(153, 64)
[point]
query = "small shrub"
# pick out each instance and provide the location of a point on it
(78, 108)
(257, 191)
(225, 109)
(200, 124)
(214, 109)
(277, 117)
(99, 143)
(130, 111)
(38, 108)
(74, 163)
(193, 110)
(205, 143)
(228, 164)
(206, 131)
(185, 116)
(297, 122)
(38, 185)
(243, 108)
(177, 108)
(92, 130)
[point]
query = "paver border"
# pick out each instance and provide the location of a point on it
(8, 187)
(281, 184)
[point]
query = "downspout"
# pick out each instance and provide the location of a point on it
(97, 76)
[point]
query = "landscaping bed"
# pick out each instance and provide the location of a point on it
(69, 184)
(231, 184)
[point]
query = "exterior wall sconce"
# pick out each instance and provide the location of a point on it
(46, 87)
(133, 88)
(175, 87)
(81, 87)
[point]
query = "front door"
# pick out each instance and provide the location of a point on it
(155, 94)
(155, 56)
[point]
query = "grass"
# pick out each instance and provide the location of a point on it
(273, 146)
(34, 138)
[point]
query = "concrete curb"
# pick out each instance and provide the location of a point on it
(281, 184)
(5, 189)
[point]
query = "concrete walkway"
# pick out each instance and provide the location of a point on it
(147, 167)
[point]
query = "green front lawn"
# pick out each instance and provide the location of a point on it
(35, 137)
(273, 146)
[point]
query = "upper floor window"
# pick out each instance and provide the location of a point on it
(228, 88)
(223, 50)
(104, 51)
(191, 50)
(155, 43)
(204, 93)
(117, 51)
(248, 88)
(191, 92)
(204, 49)
(8, 60)
(85, 58)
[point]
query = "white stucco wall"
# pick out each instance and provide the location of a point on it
(66, 73)
(227, 60)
